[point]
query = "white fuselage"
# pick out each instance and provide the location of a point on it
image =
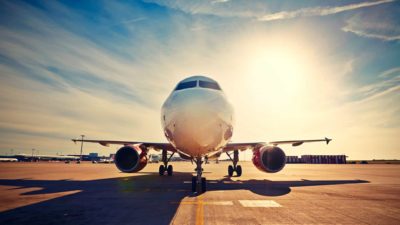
(197, 121)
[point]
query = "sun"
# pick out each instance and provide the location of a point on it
(278, 74)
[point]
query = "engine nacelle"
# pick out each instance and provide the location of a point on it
(128, 160)
(270, 159)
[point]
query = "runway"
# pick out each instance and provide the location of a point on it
(58, 193)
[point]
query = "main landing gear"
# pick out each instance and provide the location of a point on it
(198, 182)
(165, 167)
(234, 168)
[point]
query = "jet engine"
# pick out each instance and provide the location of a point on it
(270, 159)
(128, 160)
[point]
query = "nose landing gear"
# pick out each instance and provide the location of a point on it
(166, 167)
(234, 168)
(198, 182)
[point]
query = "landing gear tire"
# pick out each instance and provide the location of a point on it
(194, 183)
(238, 170)
(199, 187)
(203, 185)
(165, 167)
(169, 170)
(198, 182)
(230, 170)
(161, 170)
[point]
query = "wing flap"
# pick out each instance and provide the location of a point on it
(299, 142)
(153, 145)
(252, 145)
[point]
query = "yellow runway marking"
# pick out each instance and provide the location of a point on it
(200, 203)
(200, 211)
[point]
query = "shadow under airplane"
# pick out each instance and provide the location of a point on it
(142, 199)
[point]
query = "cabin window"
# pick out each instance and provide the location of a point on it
(185, 85)
(207, 84)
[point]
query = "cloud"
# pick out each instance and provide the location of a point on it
(318, 11)
(389, 72)
(128, 21)
(260, 10)
(219, 1)
(220, 8)
(381, 24)
(57, 83)
(372, 35)
(377, 90)
(373, 120)
(50, 51)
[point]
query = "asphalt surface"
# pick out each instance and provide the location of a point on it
(58, 193)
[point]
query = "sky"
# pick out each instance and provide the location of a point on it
(291, 69)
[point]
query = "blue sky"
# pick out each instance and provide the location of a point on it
(292, 69)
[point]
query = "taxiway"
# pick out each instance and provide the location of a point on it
(58, 193)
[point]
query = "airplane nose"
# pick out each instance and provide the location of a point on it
(198, 121)
(198, 127)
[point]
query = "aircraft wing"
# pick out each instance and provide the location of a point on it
(242, 146)
(299, 142)
(251, 145)
(228, 147)
(153, 145)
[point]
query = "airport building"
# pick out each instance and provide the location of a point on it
(36, 158)
(293, 159)
(317, 159)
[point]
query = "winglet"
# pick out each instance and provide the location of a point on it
(327, 140)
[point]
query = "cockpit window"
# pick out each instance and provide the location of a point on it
(207, 84)
(184, 85)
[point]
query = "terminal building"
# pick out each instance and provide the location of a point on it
(317, 159)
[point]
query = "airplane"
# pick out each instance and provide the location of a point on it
(8, 160)
(198, 122)
(28, 157)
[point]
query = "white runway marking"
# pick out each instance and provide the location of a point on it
(233, 182)
(218, 203)
(223, 203)
(259, 203)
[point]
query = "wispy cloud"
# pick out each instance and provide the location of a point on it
(56, 82)
(128, 21)
(371, 35)
(220, 8)
(378, 89)
(387, 82)
(390, 72)
(380, 24)
(318, 11)
(219, 1)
